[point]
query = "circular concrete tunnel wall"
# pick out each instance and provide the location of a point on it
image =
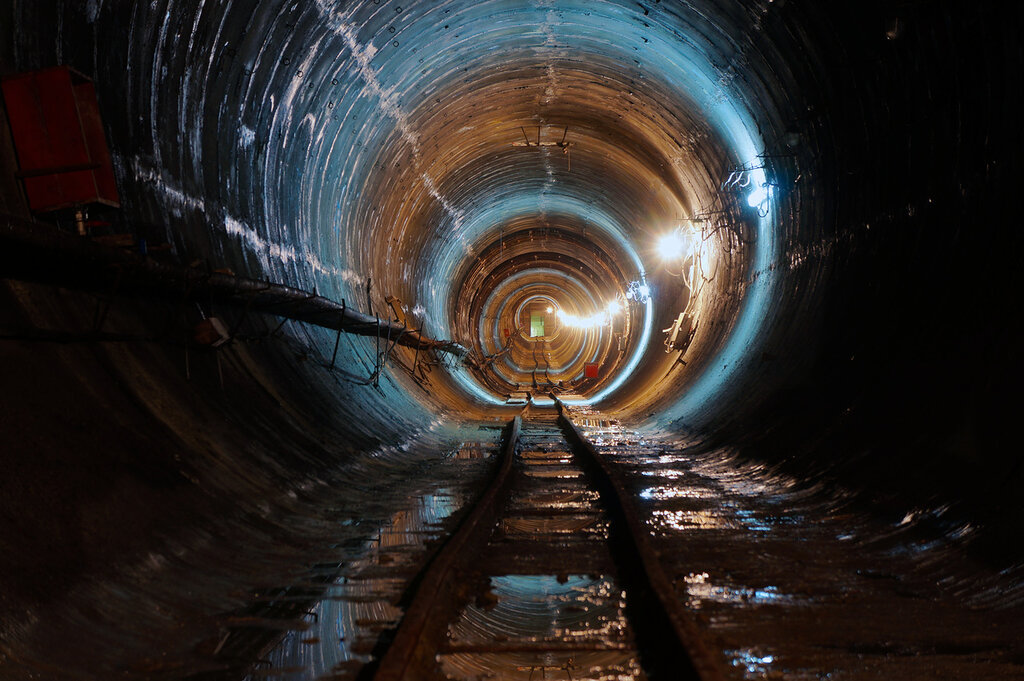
(383, 145)
(840, 178)
(394, 144)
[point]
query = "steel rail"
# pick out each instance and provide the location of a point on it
(637, 556)
(421, 631)
(40, 253)
(669, 644)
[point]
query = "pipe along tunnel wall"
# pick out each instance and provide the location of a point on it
(471, 158)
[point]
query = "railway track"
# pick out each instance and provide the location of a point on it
(549, 576)
(540, 355)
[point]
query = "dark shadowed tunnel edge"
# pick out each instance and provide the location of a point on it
(912, 387)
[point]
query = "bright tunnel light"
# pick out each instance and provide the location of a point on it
(639, 291)
(757, 197)
(672, 246)
(597, 319)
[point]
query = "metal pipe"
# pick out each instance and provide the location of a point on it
(41, 253)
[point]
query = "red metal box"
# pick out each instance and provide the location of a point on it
(58, 134)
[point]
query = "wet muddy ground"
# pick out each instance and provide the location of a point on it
(541, 597)
(210, 601)
(549, 603)
(803, 582)
(342, 629)
(788, 580)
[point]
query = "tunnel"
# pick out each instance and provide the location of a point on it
(774, 239)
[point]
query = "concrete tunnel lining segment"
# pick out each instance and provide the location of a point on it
(389, 182)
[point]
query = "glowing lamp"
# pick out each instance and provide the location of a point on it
(758, 196)
(638, 291)
(672, 245)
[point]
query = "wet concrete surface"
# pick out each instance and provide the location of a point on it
(799, 581)
(209, 601)
(787, 580)
(550, 604)
(541, 599)
(362, 603)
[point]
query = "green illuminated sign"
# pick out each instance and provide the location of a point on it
(536, 325)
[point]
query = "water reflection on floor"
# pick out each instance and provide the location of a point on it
(548, 605)
(532, 624)
(788, 581)
(347, 621)
(797, 581)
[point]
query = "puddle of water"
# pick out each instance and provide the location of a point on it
(542, 458)
(560, 524)
(574, 666)
(353, 611)
(667, 473)
(687, 521)
(755, 663)
(701, 590)
(665, 492)
(582, 501)
(547, 607)
(553, 472)
(727, 515)
(751, 520)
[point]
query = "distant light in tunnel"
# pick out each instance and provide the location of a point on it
(624, 375)
(597, 319)
(549, 309)
(672, 246)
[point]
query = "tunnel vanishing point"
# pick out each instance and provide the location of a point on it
(773, 240)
